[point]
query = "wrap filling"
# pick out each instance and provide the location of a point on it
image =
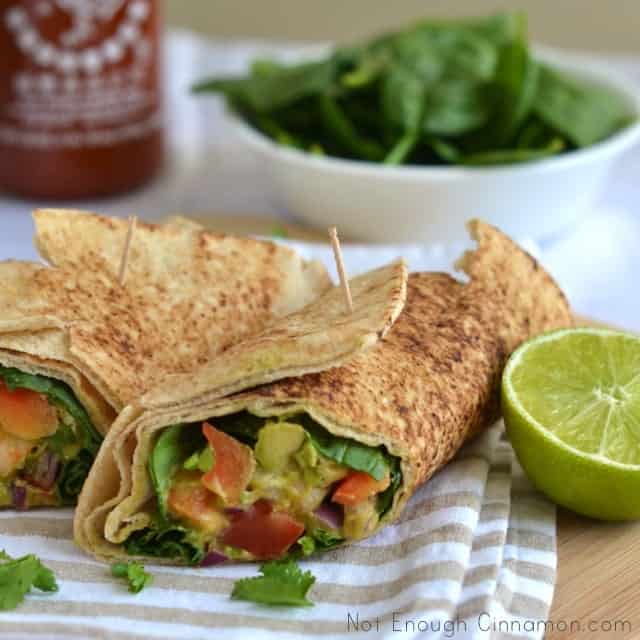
(245, 487)
(47, 441)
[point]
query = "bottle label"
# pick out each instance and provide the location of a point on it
(80, 73)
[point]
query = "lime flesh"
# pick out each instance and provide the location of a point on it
(571, 404)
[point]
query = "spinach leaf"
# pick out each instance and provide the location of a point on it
(243, 425)
(455, 106)
(350, 453)
(165, 541)
(513, 156)
(583, 112)
(274, 86)
(515, 86)
(385, 499)
(74, 473)
(403, 95)
(175, 444)
(318, 540)
(338, 125)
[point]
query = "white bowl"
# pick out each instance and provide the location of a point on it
(377, 203)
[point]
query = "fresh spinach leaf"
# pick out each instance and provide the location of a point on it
(514, 156)
(243, 425)
(338, 125)
(403, 98)
(174, 445)
(454, 107)
(72, 476)
(583, 112)
(514, 86)
(385, 499)
(318, 540)
(350, 453)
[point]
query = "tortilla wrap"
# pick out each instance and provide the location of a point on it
(188, 295)
(419, 393)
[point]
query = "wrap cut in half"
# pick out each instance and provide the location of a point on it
(77, 345)
(286, 444)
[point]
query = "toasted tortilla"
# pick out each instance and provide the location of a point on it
(421, 392)
(188, 295)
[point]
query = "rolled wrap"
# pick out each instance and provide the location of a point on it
(420, 392)
(188, 295)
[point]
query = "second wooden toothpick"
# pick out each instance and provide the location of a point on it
(122, 274)
(337, 253)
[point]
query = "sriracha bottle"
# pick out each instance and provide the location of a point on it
(80, 96)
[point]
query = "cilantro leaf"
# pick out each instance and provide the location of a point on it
(134, 573)
(18, 576)
(281, 583)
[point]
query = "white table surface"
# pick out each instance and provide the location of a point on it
(597, 263)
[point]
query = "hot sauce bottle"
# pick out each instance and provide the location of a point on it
(80, 96)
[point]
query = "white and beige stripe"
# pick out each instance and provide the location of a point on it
(475, 545)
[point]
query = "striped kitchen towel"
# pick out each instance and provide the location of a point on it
(472, 557)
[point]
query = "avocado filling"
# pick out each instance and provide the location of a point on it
(254, 488)
(47, 441)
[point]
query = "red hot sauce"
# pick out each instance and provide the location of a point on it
(80, 103)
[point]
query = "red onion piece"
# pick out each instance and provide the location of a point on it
(234, 511)
(45, 472)
(18, 496)
(331, 514)
(213, 558)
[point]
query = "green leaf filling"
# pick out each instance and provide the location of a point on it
(161, 541)
(76, 449)
(202, 460)
(350, 453)
(174, 446)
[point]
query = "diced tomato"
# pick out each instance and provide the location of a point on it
(190, 500)
(233, 465)
(26, 414)
(13, 452)
(357, 487)
(262, 531)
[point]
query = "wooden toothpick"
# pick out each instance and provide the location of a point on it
(122, 275)
(337, 254)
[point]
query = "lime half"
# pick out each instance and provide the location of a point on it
(571, 404)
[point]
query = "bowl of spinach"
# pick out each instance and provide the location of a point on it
(406, 135)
